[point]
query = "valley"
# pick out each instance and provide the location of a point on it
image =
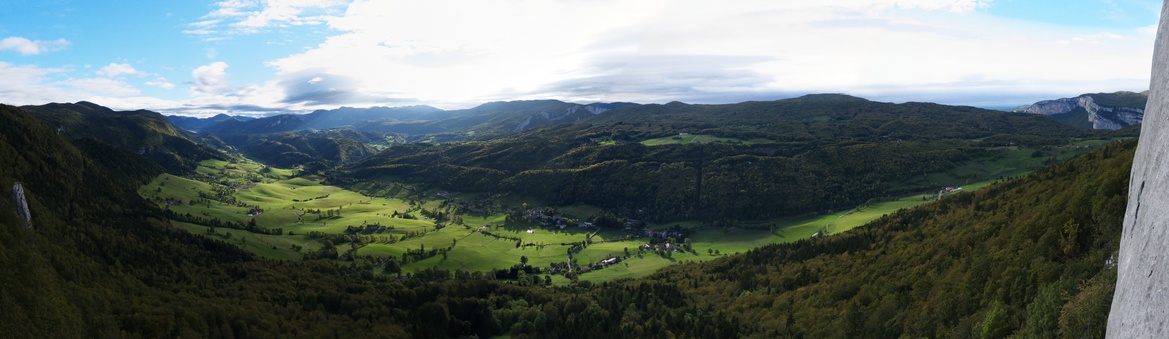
(284, 215)
(579, 169)
(700, 220)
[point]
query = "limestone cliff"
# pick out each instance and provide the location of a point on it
(1140, 305)
(20, 204)
(1103, 111)
(572, 113)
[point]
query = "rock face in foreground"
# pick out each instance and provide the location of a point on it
(1140, 305)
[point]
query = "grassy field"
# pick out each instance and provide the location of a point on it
(697, 139)
(1008, 162)
(268, 246)
(229, 190)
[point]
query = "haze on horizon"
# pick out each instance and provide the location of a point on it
(255, 57)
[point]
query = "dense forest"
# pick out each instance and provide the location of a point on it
(1031, 256)
(312, 149)
(140, 132)
(811, 154)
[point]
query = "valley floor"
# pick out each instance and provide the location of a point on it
(279, 215)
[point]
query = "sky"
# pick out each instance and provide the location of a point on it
(201, 58)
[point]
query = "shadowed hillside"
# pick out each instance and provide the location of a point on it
(768, 159)
(140, 132)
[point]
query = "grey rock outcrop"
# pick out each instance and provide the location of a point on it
(1102, 117)
(1140, 305)
(20, 204)
(1057, 106)
(573, 113)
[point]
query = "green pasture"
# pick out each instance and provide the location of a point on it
(287, 202)
(697, 139)
(268, 246)
(1006, 162)
(241, 170)
(184, 190)
(638, 265)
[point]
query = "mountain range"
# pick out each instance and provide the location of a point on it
(490, 118)
(140, 132)
(1090, 111)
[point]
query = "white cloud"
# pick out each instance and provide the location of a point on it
(210, 79)
(1149, 30)
(657, 50)
(459, 53)
(959, 6)
(211, 91)
(245, 17)
(25, 85)
(1095, 38)
(116, 69)
(31, 47)
(135, 103)
(102, 86)
(161, 83)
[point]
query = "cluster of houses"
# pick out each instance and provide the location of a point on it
(948, 190)
(661, 247)
(558, 268)
(546, 217)
(600, 264)
(255, 211)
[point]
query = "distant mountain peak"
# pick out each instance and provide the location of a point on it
(829, 97)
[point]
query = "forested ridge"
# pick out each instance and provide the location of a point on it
(140, 132)
(1031, 256)
(313, 149)
(811, 154)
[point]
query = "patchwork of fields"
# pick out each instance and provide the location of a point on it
(299, 216)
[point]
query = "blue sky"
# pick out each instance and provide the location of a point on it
(256, 57)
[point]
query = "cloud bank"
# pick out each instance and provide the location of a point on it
(456, 54)
(31, 47)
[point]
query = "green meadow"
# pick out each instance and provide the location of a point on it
(697, 139)
(304, 209)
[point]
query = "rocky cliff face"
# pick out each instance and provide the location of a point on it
(1101, 116)
(21, 204)
(1140, 305)
(573, 113)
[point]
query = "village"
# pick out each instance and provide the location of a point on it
(663, 242)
